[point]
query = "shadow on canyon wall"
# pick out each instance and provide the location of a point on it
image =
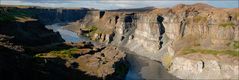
(19, 42)
(20, 66)
(161, 29)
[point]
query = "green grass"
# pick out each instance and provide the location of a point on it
(199, 18)
(227, 24)
(91, 29)
(94, 30)
(67, 53)
(236, 44)
(214, 52)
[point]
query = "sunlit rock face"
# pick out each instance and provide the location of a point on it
(102, 64)
(213, 68)
(158, 31)
(218, 26)
(162, 34)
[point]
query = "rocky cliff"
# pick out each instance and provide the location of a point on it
(169, 33)
(192, 41)
(45, 15)
(18, 41)
(31, 33)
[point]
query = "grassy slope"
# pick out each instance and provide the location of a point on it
(12, 14)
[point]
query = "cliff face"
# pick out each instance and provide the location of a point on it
(16, 42)
(163, 34)
(170, 35)
(202, 24)
(31, 33)
(46, 16)
(23, 37)
(50, 16)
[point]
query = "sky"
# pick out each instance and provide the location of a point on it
(118, 4)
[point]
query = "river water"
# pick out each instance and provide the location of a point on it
(140, 68)
(67, 35)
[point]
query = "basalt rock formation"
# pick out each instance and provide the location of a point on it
(17, 40)
(204, 37)
(31, 33)
(47, 16)
(30, 51)
(160, 26)
(169, 33)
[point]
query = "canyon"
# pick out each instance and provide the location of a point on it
(196, 41)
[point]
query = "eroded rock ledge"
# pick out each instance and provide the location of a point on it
(204, 66)
(93, 61)
(168, 33)
(29, 51)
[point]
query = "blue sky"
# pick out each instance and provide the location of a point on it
(116, 4)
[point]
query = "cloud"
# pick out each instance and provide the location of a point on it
(115, 4)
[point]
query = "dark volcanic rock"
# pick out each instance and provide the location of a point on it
(31, 33)
(15, 63)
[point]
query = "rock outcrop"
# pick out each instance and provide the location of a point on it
(31, 33)
(162, 34)
(101, 64)
(200, 66)
(95, 61)
(48, 16)
(23, 37)
(166, 35)
(17, 40)
(201, 23)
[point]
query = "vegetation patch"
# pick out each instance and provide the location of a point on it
(67, 53)
(236, 44)
(167, 60)
(227, 24)
(237, 15)
(199, 19)
(214, 52)
(14, 14)
(90, 30)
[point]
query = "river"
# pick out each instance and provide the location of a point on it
(67, 35)
(140, 68)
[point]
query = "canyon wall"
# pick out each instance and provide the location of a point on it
(47, 16)
(30, 33)
(174, 36)
(168, 34)
(187, 25)
(30, 51)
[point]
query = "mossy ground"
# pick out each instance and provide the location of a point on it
(198, 19)
(66, 53)
(227, 24)
(236, 45)
(95, 29)
(207, 51)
